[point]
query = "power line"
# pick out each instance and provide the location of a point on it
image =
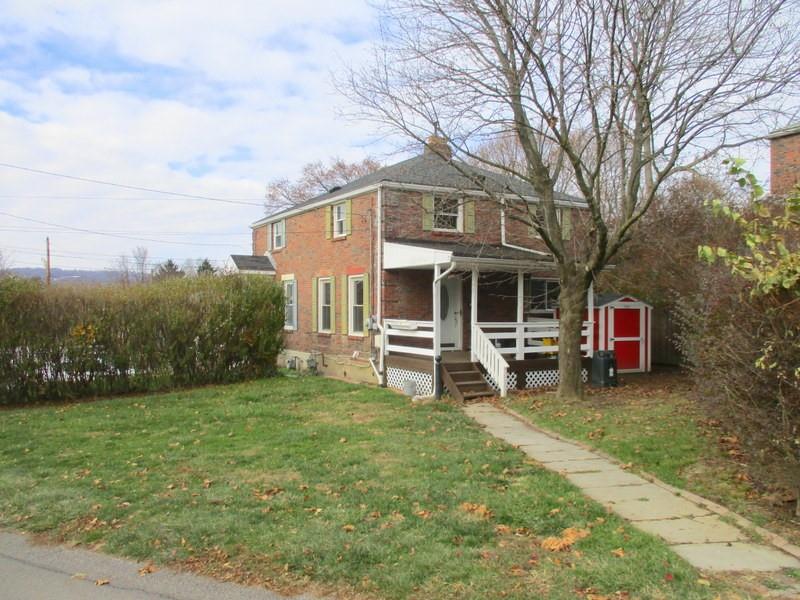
(95, 232)
(121, 231)
(90, 255)
(130, 187)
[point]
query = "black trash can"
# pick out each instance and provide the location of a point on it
(604, 369)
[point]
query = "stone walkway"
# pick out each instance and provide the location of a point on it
(691, 526)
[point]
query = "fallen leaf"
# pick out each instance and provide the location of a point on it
(477, 509)
(423, 514)
(502, 529)
(568, 537)
(555, 511)
(147, 569)
(102, 581)
(619, 552)
(207, 483)
(348, 528)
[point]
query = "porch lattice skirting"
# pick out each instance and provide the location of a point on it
(395, 378)
(533, 379)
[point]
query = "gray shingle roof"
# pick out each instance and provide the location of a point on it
(245, 262)
(430, 169)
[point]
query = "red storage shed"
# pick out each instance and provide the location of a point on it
(623, 324)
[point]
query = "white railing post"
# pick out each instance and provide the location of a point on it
(520, 315)
(473, 309)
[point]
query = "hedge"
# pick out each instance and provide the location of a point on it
(75, 341)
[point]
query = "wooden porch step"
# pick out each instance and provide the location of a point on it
(465, 381)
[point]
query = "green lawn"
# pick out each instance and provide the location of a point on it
(652, 424)
(309, 483)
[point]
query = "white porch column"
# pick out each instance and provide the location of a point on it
(437, 327)
(473, 309)
(520, 315)
(590, 319)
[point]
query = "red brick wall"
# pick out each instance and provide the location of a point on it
(260, 240)
(403, 220)
(784, 164)
(309, 254)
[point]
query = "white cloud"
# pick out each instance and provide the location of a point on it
(156, 94)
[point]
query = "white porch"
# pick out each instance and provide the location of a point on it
(510, 352)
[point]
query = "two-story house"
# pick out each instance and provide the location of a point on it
(423, 271)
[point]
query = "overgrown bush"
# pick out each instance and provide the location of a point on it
(68, 342)
(741, 330)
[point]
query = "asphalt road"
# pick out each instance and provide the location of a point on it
(36, 572)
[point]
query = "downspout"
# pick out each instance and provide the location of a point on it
(437, 350)
(376, 263)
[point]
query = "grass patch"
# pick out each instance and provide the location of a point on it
(651, 423)
(309, 483)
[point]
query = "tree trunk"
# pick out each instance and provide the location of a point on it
(572, 304)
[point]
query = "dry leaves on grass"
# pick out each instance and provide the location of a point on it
(568, 537)
(480, 510)
(619, 552)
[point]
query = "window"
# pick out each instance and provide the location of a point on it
(339, 220)
(446, 213)
(325, 300)
(290, 304)
(355, 298)
(278, 234)
(542, 295)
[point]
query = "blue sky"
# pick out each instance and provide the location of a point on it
(195, 97)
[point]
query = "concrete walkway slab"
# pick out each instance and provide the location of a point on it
(735, 556)
(699, 530)
(686, 523)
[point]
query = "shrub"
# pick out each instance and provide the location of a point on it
(68, 342)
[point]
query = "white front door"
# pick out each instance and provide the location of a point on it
(450, 313)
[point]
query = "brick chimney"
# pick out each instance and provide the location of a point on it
(439, 146)
(784, 159)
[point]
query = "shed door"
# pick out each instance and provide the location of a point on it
(627, 337)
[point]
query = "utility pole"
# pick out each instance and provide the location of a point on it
(47, 275)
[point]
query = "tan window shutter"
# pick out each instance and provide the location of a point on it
(314, 288)
(348, 217)
(566, 223)
(367, 303)
(345, 292)
(427, 212)
(469, 216)
(328, 222)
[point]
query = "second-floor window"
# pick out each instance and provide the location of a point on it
(278, 234)
(339, 220)
(446, 213)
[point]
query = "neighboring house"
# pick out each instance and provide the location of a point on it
(784, 152)
(414, 265)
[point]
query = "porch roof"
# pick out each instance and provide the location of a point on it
(424, 254)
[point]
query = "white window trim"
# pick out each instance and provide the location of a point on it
(343, 206)
(290, 279)
(282, 223)
(320, 298)
(350, 297)
(460, 220)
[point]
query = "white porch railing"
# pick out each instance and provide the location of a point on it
(397, 331)
(530, 337)
(485, 352)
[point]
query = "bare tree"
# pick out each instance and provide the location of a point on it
(629, 92)
(140, 265)
(4, 269)
(316, 179)
(123, 267)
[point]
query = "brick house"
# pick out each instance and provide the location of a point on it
(784, 154)
(422, 271)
